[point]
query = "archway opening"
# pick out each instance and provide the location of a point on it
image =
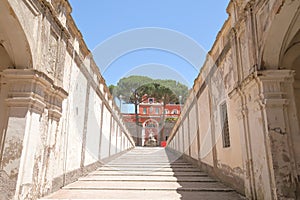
(296, 67)
(15, 54)
(150, 133)
(291, 60)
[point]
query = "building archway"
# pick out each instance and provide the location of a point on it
(280, 60)
(15, 54)
(275, 42)
(150, 129)
(15, 57)
(291, 61)
(13, 40)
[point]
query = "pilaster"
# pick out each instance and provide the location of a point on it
(264, 115)
(31, 103)
(274, 102)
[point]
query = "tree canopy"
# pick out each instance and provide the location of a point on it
(132, 89)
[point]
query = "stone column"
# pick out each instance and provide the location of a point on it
(269, 160)
(274, 86)
(30, 95)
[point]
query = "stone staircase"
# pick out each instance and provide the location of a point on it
(146, 173)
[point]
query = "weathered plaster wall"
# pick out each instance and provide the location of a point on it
(250, 69)
(205, 132)
(56, 112)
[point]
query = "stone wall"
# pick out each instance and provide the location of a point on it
(57, 118)
(252, 70)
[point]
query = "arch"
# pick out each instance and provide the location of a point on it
(291, 60)
(280, 49)
(291, 55)
(283, 28)
(150, 130)
(287, 56)
(148, 121)
(175, 112)
(13, 40)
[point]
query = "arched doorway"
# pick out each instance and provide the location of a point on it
(15, 57)
(15, 54)
(280, 70)
(291, 60)
(150, 130)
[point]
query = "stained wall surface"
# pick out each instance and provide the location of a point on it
(57, 118)
(245, 97)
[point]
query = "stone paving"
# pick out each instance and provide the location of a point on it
(147, 173)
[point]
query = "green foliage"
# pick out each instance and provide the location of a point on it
(178, 88)
(112, 89)
(132, 89)
(171, 119)
(159, 92)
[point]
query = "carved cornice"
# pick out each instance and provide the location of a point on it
(34, 90)
(33, 6)
(49, 11)
(271, 82)
(263, 89)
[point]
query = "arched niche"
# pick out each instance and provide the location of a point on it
(15, 55)
(291, 60)
(15, 51)
(280, 53)
(284, 26)
(151, 130)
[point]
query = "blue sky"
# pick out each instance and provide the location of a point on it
(177, 24)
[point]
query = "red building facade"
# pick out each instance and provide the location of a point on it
(150, 117)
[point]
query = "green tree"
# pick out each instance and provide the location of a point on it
(129, 90)
(165, 95)
(126, 86)
(112, 89)
(136, 89)
(162, 94)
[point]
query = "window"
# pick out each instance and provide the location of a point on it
(225, 126)
(150, 124)
(175, 112)
(144, 110)
(151, 109)
(166, 111)
(156, 110)
(151, 100)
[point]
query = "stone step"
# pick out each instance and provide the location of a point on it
(149, 173)
(145, 160)
(146, 169)
(149, 164)
(145, 195)
(147, 178)
(145, 166)
(129, 185)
